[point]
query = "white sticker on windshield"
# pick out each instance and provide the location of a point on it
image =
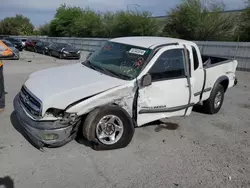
(137, 51)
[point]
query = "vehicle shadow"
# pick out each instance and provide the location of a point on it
(199, 109)
(15, 123)
(81, 140)
(7, 182)
(159, 125)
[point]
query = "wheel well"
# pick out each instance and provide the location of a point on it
(225, 84)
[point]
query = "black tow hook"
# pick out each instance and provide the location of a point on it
(235, 81)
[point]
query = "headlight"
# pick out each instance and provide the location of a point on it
(65, 52)
(55, 112)
(78, 52)
(49, 136)
(46, 48)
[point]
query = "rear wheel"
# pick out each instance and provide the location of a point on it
(108, 127)
(215, 101)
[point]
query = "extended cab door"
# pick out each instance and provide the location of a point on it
(170, 93)
(198, 74)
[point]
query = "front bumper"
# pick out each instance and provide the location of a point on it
(71, 56)
(37, 130)
(19, 47)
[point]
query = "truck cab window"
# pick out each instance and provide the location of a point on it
(170, 65)
(196, 60)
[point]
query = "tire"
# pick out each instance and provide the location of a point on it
(16, 57)
(90, 128)
(209, 105)
(49, 53)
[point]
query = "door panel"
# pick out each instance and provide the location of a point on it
(162, 99)
(197, 74)
(169, 93)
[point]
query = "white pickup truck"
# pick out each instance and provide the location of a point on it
(128, 82)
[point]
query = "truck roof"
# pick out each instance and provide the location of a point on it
(149, 42)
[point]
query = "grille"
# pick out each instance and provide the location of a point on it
(73, 53)
(30, 103)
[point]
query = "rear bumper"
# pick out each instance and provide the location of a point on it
(37, 131)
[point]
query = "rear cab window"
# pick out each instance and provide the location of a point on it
(195, 56)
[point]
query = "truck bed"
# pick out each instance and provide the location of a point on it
(218, 68)
(211, 60)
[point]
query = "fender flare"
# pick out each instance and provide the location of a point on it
(218, 81)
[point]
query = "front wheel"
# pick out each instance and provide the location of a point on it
(215, 101)
(16, 57)
(60, 56)
(108, 127)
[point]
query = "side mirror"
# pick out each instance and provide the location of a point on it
(146, 80)
(89, 55)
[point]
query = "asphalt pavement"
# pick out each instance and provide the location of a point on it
(197, 151)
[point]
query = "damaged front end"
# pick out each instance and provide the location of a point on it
(47, 133)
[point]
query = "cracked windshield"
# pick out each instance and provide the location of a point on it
(119, 60)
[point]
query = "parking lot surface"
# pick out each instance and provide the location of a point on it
(197, 151)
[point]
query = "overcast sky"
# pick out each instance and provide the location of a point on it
(41, 11)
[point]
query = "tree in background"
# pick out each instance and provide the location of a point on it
(132, 23)
(108, 23)
(200, 20)
(44, 30)
(243, 33)
(89, 24)
(18, 25)
(77, 22)
(191, 20)
(63, 24)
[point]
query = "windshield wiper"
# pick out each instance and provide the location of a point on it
(89, 64)
(107, 71)
(116, 74)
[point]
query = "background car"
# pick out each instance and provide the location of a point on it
(64, 51)
(3, 36)
(14, 50)
(17, 42)
(42, 47)
(23, 41)
(30, 44)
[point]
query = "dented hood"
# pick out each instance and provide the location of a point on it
(61, 86)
